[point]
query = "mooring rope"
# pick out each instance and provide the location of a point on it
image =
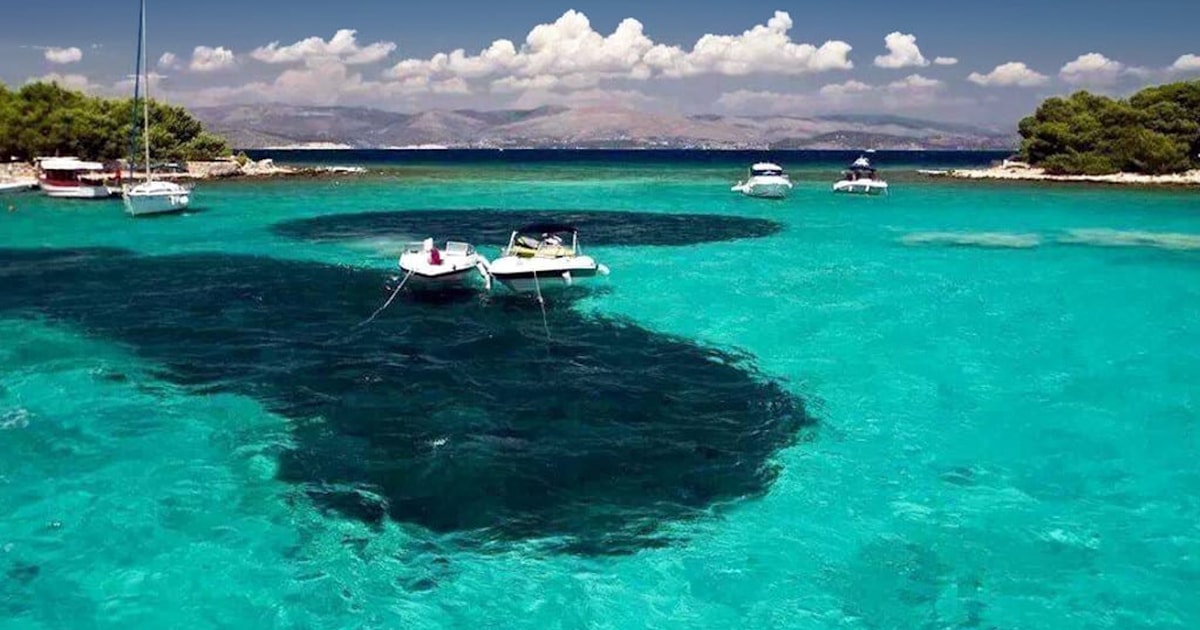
(541, 303)
(388, 302)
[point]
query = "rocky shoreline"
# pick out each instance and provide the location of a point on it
(1017, 171)
(223, 169)
(207, 170)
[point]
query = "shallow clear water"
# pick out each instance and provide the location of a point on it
(999, 386)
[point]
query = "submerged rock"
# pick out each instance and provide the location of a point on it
(494, 226)
(452, 413)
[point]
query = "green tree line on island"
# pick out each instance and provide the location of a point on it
(1156, 131)
(45, 119)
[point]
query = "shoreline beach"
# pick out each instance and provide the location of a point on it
(1020, 172)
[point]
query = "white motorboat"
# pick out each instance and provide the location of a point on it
(861, 179)
(765, 180)
(72, 178)
(20, 185)
(451, 264)
(543, 255)
(150, 196)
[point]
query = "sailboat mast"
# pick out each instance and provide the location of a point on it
(145, 103)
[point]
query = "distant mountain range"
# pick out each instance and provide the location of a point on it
(288, 126)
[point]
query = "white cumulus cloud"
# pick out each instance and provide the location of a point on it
(1187, 63)
(914, 82)
(902, 52)
(844, 89)
(168, 60)
(1013, 73)
(342, 47)
(764, 49)
(63, 55)
(208, 59)
(570, 53)
(945, 61)
(1091, 69)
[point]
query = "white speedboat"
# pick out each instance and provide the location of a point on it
(452, 264)
(765, 180)
(543, 255)
(72, 178)
(861, 179)
(150, 196)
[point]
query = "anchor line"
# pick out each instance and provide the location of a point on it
(542, 304)
(389, 300)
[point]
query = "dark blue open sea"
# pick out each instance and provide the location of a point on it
(963, 405)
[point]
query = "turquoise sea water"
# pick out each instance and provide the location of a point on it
(1002, 383)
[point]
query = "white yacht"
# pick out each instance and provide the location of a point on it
(150, 196)
(765, 180)
(72, 178)
(543, 255)
(861, 179)
(451, 264)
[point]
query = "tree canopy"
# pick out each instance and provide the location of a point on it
(1155, 131)
(45, 119)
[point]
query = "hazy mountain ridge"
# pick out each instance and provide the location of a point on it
(262, 126)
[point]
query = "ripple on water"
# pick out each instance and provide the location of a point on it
(452, 413)
(973, 239)
(1104, 237)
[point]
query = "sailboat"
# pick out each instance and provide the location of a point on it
(150, 196)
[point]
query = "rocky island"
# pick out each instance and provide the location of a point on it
(1151, 138)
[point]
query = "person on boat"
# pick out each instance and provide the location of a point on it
(435, 257)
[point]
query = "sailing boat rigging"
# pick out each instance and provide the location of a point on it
(150, 196)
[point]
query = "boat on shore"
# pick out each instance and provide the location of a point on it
(72, 178)
(861, 179)
(542, 255)
(18, 186)
(426, 263)
(765, 180)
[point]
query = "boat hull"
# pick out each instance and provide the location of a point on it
(453, 270)
(860, 187)
(143, 205)
(530, 282)
(156, 202)
(82, 191)
(526, 274)
(765, 187)
(767, 191)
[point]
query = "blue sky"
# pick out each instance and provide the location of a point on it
(758, 63)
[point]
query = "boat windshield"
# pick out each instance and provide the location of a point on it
(766, 169)
(544, 240)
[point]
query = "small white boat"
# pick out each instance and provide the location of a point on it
(20, 185)
(72, 178)
(150, 196)
(538, 256)
(766, 180)
(156, 197)
(452, 264)
(861, 179)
